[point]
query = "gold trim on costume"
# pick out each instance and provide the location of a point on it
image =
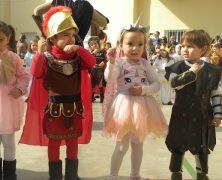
(57, 109)
(183, 74)
(64, 136)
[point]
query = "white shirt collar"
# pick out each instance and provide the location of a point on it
(189, 64)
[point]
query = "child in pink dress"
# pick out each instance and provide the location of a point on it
(13, 85)
(133, 113)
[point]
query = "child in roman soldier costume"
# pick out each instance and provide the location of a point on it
(63, 94)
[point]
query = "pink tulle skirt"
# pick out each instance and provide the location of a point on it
(136, 116)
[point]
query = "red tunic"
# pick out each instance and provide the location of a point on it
(33, 131)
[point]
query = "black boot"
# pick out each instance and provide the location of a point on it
(93, 97)
(71, 171)
(203, 167)
(1, 168)
(55, 170)
(9, 170)
(176, 176)
(101, 94)
(203, 158)
(202, 176)
(176, 166)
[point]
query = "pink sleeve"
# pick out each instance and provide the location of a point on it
(88, 60)
(22, 76)
(38, 66)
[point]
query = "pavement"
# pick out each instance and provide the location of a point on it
(94, 158)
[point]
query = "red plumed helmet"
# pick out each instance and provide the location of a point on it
(58, 19)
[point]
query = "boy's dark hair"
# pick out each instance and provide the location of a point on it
(200, 38)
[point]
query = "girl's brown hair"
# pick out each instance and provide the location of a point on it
(133, 28)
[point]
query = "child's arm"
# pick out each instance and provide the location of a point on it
(216, 105)
(112, 71)
(22, 79)
(88, 60)
(187, 77)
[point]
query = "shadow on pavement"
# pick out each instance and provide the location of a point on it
(103, 178)
(23, 174)
(119, 178)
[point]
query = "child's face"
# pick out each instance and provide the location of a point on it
(163, 53)
(133, 45)
(34, 47)
(64, 38)
(93, 45)
(3, 41)
(191, 52)
(107, 46)
(215, 51)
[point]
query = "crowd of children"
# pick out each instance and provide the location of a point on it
(60, 79)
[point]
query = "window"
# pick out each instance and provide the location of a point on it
(29, 36)
(177, 33)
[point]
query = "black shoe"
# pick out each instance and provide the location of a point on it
(9, 170)
(55, 170)
(71, 170)
(202, 176)
(101, 98)
(170, 103)
(94, 99)
(176, 176)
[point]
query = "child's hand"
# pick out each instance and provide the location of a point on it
(95, 51)
(15, 93)
(111, 55)
(71, 48)
(42, 45)
(195, 67)
(135, 90)
(101, 64)
(216, 122)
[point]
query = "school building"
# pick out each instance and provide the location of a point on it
(166, 16)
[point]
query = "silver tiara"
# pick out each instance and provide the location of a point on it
(135, 26)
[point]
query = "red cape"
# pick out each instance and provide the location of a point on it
(33, 129)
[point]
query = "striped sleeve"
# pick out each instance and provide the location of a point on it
(216, 103)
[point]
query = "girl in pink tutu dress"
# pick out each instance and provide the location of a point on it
(14, 81)
(133, 113)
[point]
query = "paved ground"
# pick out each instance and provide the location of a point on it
(95, 157)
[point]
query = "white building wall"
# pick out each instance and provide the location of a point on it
(21, 15)
(161, 18)
(119, 12)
